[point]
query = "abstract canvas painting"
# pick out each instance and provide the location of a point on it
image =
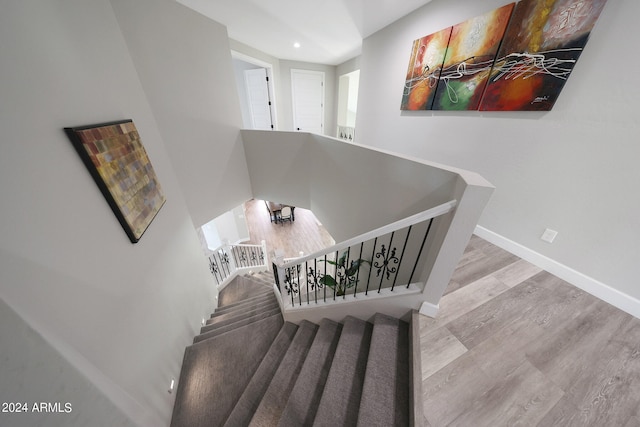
(540, 48)
(118, 162)
(515, 58)
(425, 64)
(470, 54)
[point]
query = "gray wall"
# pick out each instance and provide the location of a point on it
(121, 314)
(184, 63)
(573, 169)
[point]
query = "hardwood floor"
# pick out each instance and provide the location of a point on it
(514, 345)
(511, 344)
(304, 234)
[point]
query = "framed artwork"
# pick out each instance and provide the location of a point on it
(540, 49)
(116, 159)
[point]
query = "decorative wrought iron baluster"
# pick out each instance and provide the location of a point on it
(401, 257)
(306, 266)
(373, 252)
(384, 267)
(290, 285)
(224, 262)
(213, 266)
(355, 288)
(325, 272)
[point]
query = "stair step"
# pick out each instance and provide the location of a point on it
(275, 398)
(239, 289)
(260, 296)
(385, 392)
(264, 278)
(230, 327)
(215, 372)
(254, 305)
(250, 399)
(237, 315)
(340, 399)
(302, 405)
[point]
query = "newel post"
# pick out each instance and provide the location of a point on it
(452, 235)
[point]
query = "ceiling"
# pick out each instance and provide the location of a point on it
(329, 31)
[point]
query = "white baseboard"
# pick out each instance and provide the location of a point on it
(588, 284)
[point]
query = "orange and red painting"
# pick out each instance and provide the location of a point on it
(540, 49)
(425, 64)
(470, 55)
(116, 159)
(515, 58)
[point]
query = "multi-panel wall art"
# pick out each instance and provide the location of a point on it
(515, 58)
(114, 155)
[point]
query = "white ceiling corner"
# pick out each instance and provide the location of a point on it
(329, 32)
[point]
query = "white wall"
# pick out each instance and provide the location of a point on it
(343, 183)
(184, 63)
(573, 169)
(120, 313)
(33, 372)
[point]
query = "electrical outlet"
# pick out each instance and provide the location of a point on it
(549, 235)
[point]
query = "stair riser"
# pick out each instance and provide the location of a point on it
(238, 316)
(229, 328)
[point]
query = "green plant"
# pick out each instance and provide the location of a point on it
(345, 277)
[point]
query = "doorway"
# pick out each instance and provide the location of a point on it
(348, 85)
(254, 81)
(307, 88)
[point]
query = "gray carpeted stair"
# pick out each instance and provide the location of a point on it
(276, 373)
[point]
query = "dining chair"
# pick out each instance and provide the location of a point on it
(286, 214)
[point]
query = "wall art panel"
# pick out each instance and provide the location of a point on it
(540, 49)
(423, 73)
(116, 159)
(470, 54)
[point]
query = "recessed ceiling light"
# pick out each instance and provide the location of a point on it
(296, 45)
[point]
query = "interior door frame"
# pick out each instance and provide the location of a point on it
(293, 95)
(271, 83)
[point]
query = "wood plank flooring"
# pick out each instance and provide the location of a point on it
(514, 345)
(305, 234)
(511, 344)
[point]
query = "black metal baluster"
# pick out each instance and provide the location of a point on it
(306, 266)
(420, 251)
(385, 265)
(335, 273)
(325, 272)
(235, 256)
(299, 288)
(373, 251)
(275, 276)
(346, 277)
(401, 256)
(355, 290)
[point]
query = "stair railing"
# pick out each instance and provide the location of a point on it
(384, 258)
(228, 260)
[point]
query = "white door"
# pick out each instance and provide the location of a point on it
(307, 88)
(257, 86)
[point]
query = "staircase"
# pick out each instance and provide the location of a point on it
(250, 368)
